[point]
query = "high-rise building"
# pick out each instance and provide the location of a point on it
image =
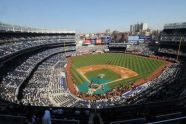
(144, 26)
(107, 31)
(131, 28)
(138, 28)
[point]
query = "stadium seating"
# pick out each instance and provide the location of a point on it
(40, 79)
(13, 47)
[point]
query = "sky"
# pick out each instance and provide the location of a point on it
(90, 16)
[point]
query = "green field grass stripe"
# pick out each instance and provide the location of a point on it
(141, 65)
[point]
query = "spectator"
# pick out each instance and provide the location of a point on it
(46, 119)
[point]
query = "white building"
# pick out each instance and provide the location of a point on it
(138, 28)
(144, 26)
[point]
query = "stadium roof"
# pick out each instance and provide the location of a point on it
(16, 28)
(175, 25)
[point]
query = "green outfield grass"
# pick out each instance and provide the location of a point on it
(143, 66)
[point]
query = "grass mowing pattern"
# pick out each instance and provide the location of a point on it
(143, 66)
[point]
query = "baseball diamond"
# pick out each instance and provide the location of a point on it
(111, 70)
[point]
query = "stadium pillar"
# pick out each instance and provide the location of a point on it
(65, 48)
(178, 53)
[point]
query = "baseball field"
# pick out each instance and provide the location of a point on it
(100, 73)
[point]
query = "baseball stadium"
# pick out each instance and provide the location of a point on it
(92, 62)
(47, 73)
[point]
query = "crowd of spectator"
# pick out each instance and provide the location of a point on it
(47, 86)
(168, 37)
(44, 83)
(171, 40)
(21, 44)
(58, 90)
(80, 50)
(171, 51)
(169, 112)
(40, 86)
(10, 84)
(168, 76)
(117, 45)
(139, 50)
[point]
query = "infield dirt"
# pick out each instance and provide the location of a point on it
(123, 72)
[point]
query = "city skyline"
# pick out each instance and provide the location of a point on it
(86, 16)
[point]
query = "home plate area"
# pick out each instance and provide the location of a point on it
(98, 76)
